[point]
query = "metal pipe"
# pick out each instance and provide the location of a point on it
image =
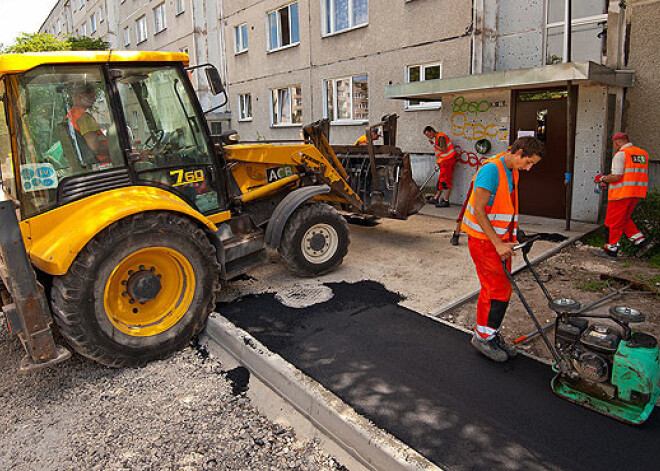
(266, 190)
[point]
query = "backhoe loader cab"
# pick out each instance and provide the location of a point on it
(128, 211)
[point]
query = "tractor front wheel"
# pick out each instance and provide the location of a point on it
(315, 240)
(138, 291)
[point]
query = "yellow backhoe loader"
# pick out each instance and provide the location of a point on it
(122, 217)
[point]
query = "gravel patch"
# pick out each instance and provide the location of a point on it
(183, 413)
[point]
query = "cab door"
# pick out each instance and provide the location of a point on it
(166, 135)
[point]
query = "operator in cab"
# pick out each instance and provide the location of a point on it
(81, 119)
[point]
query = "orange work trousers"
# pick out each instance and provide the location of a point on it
(495, 286)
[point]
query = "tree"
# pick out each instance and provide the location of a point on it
(85, 43)
(41, 42)
(36, 42)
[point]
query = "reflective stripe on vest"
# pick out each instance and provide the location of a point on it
(635, 180)
(503, 216)
(361, 140)
(449, 153)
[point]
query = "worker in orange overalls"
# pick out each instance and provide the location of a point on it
(627, 183)
(491, 223)
(82, 121)
(362, 140)
(445, 160)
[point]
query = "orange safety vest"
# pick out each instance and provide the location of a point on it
(503, 214)
(448, 154)
(361, 140)
(635, 180)
(74, 114)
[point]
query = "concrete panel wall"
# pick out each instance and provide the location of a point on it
(641, 112)
(520, 34)
(467, 118)
(590, 142)
(398, 34)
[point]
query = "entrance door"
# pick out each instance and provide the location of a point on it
(543, 114)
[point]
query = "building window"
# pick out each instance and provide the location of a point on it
(339, 15)
(83, 29)
(421, 73)
(245, 107)
(215, 128)
(588, 31)
(347, 98)
(179, 6)
(141, 29)
(82, 3)
(127, 36)
(101, 15)
(240, 38)
(74, 5)
(286, 105)
(159, 18)
(283, 28)
(92, 23)
(59, 26)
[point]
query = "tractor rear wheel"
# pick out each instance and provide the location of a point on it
(315, 240)
(138, 291)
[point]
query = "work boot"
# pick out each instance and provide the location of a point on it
(432, 200)
(508, 349)
(489, 348)
(607, 253)
(454, 239)
(442, 204)
(643, 248)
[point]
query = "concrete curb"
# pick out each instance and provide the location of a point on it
(446, 308)
(368, 444)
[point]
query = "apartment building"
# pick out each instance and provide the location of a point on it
(291, 63)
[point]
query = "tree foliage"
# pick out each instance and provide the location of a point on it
(36, 42)
(42, 42)
(85, 43)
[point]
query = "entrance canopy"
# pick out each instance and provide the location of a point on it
(538, 77)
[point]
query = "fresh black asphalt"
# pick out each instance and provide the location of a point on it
(422, 381)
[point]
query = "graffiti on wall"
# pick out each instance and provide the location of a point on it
(463, 126)
(469, 158)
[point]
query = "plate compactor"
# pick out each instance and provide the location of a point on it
(604, 366)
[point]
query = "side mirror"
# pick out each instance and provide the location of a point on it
(215, 82)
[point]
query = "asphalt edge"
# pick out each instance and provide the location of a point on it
(373, 447)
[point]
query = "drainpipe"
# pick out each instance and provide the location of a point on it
(571, 111)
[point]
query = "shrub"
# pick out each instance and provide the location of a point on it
(647, 215)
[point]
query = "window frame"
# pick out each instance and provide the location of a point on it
(277, 11)
(429, 105)
(241, 48)
(160, 8)
(138, 38)
(343, 121)
(285, 124)
(179, 7)
(243, 114)
(127, 36)
(586, 20)
(328, 18)
(92, 23)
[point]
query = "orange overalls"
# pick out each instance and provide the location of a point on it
(495, 286)
(445, 161)
(74, 114)
(623, 196)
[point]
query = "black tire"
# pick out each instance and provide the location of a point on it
(315, 240)
(79, 297)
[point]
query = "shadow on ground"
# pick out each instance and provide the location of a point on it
(421, 381)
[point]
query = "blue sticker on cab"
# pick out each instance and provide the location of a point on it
(35, 177)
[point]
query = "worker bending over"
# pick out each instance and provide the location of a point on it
(491, 223)
(445, 160)
(627, 183)
(362, 140)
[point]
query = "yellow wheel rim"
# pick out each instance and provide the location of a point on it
(149, 291)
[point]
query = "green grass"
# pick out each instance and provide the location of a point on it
(654, 280)
(654, 261)
(596, 239)
(594, 286)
